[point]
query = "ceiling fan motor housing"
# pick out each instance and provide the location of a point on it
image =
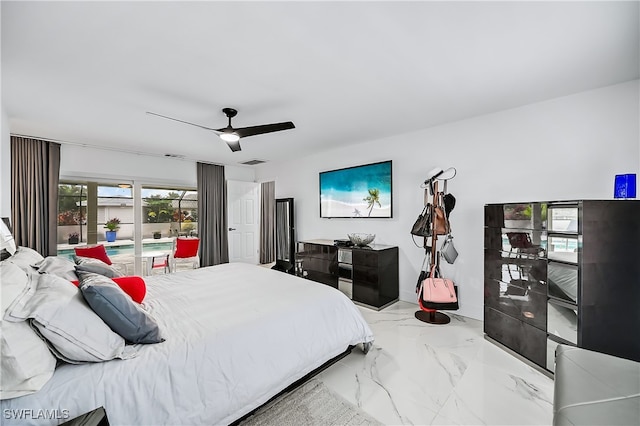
(230, 112)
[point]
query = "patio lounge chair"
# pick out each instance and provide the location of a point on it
(185, 250)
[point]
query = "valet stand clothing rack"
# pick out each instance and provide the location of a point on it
(431, 316)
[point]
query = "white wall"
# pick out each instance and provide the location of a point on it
(567, 148)
(79, 161)
(83, 162)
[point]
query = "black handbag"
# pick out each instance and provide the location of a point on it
(422, 226)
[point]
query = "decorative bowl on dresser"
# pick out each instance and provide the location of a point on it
(360, 239)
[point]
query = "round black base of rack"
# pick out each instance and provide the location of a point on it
(433, 317)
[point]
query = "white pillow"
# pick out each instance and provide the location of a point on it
(15, 283)
(6, 239)
(26, 363)
(61, 315)
(59, 266)
(24, 257)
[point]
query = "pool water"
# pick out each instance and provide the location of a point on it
(124, 249)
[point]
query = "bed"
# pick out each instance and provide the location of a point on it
(236, 335)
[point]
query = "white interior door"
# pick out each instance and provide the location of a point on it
(243, 201)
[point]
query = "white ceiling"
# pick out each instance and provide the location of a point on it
(343, 72)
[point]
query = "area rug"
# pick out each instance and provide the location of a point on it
(312, 404)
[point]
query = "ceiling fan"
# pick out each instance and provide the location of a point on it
(232, 136)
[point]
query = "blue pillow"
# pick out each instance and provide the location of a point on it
(118, 310)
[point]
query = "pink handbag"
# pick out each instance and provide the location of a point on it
(438, 290)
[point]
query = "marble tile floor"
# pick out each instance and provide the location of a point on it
(424, 374)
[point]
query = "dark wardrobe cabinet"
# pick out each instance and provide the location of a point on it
(563, 272)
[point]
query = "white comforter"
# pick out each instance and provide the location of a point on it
(237, 334)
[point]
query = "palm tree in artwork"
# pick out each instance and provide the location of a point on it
(372, 199)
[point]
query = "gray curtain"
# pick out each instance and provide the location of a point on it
(212, 215)
(35, 173)
(267, 222)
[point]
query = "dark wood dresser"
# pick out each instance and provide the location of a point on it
(563, 272)
(372, 270)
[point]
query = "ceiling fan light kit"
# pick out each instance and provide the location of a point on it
(232, 136)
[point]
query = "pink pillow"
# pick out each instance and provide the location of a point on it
(133, 285)
(94, 252)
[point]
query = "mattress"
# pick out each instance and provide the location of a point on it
(236, 335)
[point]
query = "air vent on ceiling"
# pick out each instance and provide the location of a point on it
(174, 155)
(253, 162)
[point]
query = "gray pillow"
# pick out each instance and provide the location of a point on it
(60, 315)
(118, 310)
(57, 265)
(96, 266)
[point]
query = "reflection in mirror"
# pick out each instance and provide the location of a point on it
(282, 230)
(563, 219)
(285, 235)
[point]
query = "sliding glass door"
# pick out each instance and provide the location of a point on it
(105, 213)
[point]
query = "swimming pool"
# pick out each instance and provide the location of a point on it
(124, 249)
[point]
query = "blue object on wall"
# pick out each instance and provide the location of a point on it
(625, 186)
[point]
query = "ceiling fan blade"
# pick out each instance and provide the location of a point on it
(185, 122)
(265, 128)
(229, 134)
(235, 146)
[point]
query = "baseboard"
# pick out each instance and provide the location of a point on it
(520, 357)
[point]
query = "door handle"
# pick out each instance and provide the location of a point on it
(232, 229)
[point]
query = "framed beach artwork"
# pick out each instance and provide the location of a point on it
(360, 191)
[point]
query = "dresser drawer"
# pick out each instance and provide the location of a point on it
(564, 248)
(364, 257)
(517, 301)
(525, 339)
(319, 250)
(551, 354)
(507, 267)
(562, 281)
(562, 321)
(518, 241)
(563, 218)
(515, 215)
